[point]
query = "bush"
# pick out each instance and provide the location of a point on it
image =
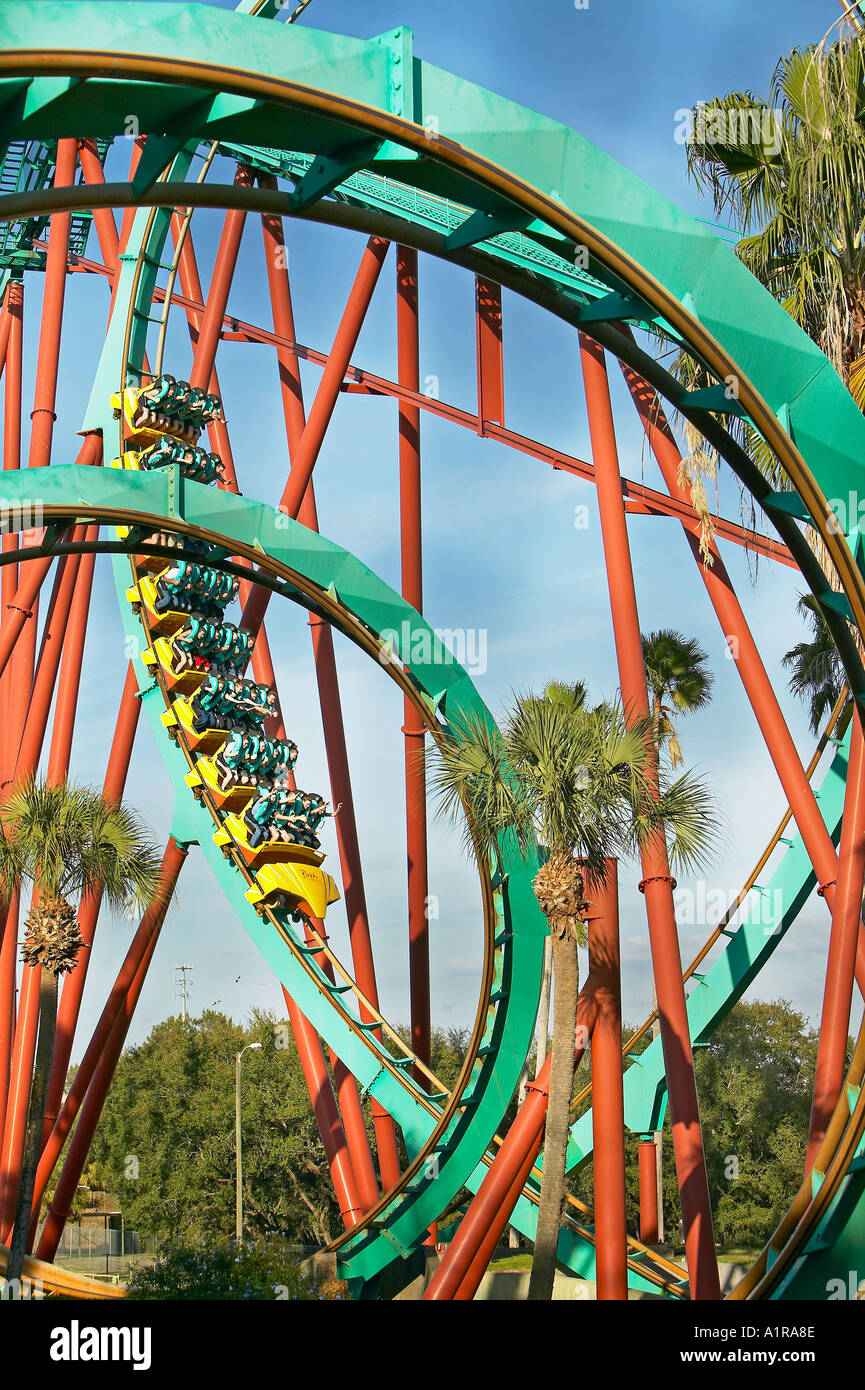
(226, 1270)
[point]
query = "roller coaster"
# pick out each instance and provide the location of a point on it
(366, 136)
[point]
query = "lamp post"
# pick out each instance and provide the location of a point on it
(238, 1191)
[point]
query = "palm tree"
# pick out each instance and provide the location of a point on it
(817, 674)
(798, 196)
(63, 841)
(582, 782)
(788, 172)
(679, 682)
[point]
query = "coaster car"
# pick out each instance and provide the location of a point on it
(283, 886)
(268, 852)
(181, 717)
(145, 424)
(206, 776)
(160, 655)
(144, 595)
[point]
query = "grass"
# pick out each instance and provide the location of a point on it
(512, 1262)
(731, 1256)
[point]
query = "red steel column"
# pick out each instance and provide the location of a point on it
(352, 874)
(347, 1096)
(326, 1114)
(755, 679)
(46, 671)
(8, 979)
(18, 1096)
(110, 243)
(70, 668)
(490, 362)
(72, 990)
(91, 1110)
(28, 758)
(334, 373)
(217, 297)
(743, 649)
(648, 1159)
(608, 1104)
(206, 340)
(22, 609)
(325, 662)
(190, 285)
(149, 925)
(657, 882)
(103, 218)
(468, 1254)
(9, 726)
(28, 1011)
(5, 325)
(48, 359)
(41, 435)
(13, 318)
(843, 938)
(411, 556)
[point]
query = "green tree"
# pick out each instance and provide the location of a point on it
(229, 1272)
(166, 1136)
(817, 676)
(63, 841)
(584, 784)
(754, 1079)
(679, 681)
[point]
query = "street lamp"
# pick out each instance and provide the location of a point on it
(238, 1190)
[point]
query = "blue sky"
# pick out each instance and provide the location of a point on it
(502, 554)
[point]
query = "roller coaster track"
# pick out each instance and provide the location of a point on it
(42, 1278)
(461, 195)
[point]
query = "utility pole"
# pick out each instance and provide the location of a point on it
(183, 987)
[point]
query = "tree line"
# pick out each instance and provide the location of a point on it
(164, 1149)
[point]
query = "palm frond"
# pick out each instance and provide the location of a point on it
(817, 675)
(686, 813)
(67, 840)
(472, 786)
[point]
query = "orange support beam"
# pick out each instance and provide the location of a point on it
(608, 1104)
(648, 1165)
(327, 679)
(411, 553)
(125, 727)
(657, 882)
(91, 1110)
(334, 373)
(468, 1254)
(490, 361)
(843, 939)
